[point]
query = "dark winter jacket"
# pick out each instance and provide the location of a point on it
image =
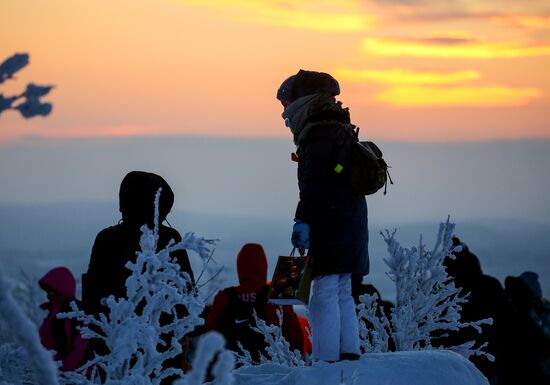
(62, 335)
(117, 245)
(112, 249)
(252, 271)
(337, 216)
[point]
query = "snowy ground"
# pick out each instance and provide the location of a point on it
(400, 368)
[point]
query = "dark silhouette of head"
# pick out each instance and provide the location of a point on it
(464, 266)
(137, 198)
(307, 83)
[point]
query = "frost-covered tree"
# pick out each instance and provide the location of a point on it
(28, 103)
(427, 300)
(134, 328)
(28, 295)
(25, 359)
(211, 351)
(277, 349)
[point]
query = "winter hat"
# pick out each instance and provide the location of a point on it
(307, 83)
(252, 265)
(532, 280)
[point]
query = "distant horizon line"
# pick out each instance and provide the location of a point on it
(61, 138)
(457, 219)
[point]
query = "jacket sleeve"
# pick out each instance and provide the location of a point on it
(317, 171)
(215, 315)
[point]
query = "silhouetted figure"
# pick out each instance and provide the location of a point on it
(62, 335)
(529, 342)
(116, 245)
(486, 299)
(232, 311)
(331, 219)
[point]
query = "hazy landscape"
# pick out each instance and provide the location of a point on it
(57, 194)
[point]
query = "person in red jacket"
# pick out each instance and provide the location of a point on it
(232, 311)
(62, 335)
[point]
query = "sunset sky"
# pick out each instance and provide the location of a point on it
(420, 70)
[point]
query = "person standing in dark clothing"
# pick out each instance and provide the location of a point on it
(486, 299)
(117, 245)
(330, 219)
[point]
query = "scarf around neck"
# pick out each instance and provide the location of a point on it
(297, 114)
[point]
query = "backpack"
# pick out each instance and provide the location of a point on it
(238, 320)
(368, 170)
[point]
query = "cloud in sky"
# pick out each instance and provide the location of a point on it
(414, 88)
(453, 48)
(320, 15)
(458, 96)
(403, 76)
(527, 21)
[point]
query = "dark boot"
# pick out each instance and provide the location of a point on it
(349, 357)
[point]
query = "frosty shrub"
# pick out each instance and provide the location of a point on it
(426, 300)
(278, 348)
(28, 296)
(25, 359)
(28, 103)
(211, 350)
(132, 328)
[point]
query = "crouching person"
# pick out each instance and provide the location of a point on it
(62, 335)
(232, 311)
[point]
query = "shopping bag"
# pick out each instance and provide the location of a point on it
(291, 280)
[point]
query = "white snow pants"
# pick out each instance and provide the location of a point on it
(334, 324)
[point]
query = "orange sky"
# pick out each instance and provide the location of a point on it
(408, 70)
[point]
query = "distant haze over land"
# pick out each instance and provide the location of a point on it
(244, 190)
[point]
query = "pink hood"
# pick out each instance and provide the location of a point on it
(61, 281)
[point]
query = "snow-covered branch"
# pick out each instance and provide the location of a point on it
(427, 300)
(25, 334)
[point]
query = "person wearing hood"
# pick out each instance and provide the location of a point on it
(251, 294)
(61, 335)
(116, 245)
(331, 220)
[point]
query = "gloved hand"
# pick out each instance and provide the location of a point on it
(300, 235)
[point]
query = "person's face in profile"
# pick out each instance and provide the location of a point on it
(285, 104)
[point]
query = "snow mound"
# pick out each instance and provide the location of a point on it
(434, 367)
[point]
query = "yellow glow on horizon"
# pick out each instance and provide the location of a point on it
(466, 50)
(212, 67)
(322, 16)
(484, 96)
(403, 76)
